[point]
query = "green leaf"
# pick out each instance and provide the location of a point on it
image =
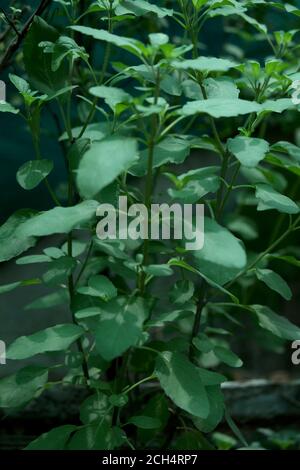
(112, 96)
(269, 199)
(145, 422)
(9, 287)
(170, 150)
(32, 259)
(141, 7)
(158, 39)
(184, 265)
(195, 184)
(220, 87)
(220, 108)
(55, 338)
(277, 106)
(228, 357)
(120, 326)
(182, 382)
(222, 256)
(274, 282)
(99, 286)
(56, 439)
(223, 441)
(94, 408)
(158, 270)
(64, 47)
(204, 64)
(129, 44)
(216, 410)
(248, 150)
(59, 220)
(37, 63)
(203, 343)
(288, 259)
(18, 389)
(59, 270)
(182, 292)
(7, 108)
(33, 172)
(97, 170)
(12, 240)
(276, 324)
(96, 437)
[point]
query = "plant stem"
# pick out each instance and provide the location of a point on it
(147, 379)
(197, 320)
(292, 228)
(149, 181)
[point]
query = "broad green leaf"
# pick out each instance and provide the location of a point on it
(99, 286)
(56, 439)
(277, 106)
(120, 326)
(142, 7)
(32, 259)
(145, 422)
(12, 240)
(158, 39)
(288, 259)
(220, 87)
(243, 226)
(223, 441)
(188, 310)
(18, 389)
(269, 199)
(204, 64)
(55, 338)
(112, 95)
(203, 343)
(159, 270)
(248, 150)
(196, 184)
(220, 108)
(96, 437)
(59, 270)
(95, 131)
(199, 3)
(54, 299)
(14, 285)
(228, 357)
(274, 282)
(276, 324)
(132, 45)
(59, 220)
(216, 410)
(7, 108)
(171, 150)
(184, 265)
(94, 408)
(88, 312)
(97, 168)
(182, 292)
(64, 47)
(182, 382)
(222, 256)
(37, 63)
(33, 172)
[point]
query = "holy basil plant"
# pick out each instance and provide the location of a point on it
(142, 109)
